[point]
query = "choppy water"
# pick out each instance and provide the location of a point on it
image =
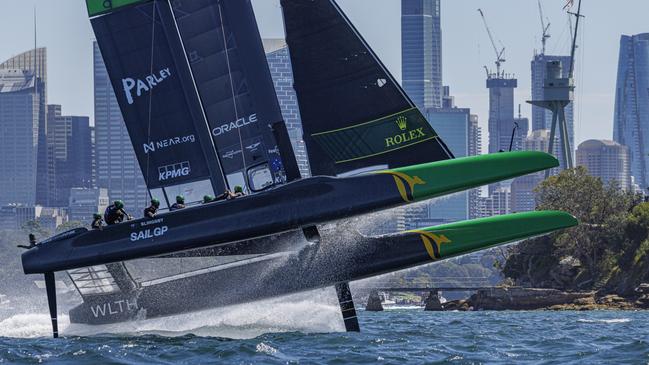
(304, 330)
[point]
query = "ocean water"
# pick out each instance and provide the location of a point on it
(309, 330)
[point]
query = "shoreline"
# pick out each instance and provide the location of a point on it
(519, 298)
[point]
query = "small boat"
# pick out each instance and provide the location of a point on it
(200, 107)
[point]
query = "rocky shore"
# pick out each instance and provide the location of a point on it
(517, 298)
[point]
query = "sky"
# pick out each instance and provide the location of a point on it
(63, 28)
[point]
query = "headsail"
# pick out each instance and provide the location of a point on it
(355, 115)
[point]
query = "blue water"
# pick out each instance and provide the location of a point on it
(391, 337)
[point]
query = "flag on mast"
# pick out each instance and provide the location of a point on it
(569, 4)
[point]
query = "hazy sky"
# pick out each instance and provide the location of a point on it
(64, 29)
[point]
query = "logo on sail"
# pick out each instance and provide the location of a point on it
(406, 190)
(140, 86)
(402, 122)
(239, 123)
(174, 171)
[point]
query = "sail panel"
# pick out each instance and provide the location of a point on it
(225, 53)
(354, 114)
(154, 92)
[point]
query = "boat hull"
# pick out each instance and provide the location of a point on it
(303, 203)
(339, 257)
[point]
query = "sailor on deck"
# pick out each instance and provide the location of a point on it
(152, 210)
(179, 204)
(115, 213)
(97, 222)
(229, 195)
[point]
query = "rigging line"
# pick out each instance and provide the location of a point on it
(148, 134)
(234, 100)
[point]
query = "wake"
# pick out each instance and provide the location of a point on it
(309, 312)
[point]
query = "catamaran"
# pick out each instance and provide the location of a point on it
(199, 103)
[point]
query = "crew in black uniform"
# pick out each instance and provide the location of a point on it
(152, 210)
(97, 222)
(208, 199)
(179, 204)
(238, 191)
(115, 213)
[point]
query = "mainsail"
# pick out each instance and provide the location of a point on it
(182, 73)
(355, 115)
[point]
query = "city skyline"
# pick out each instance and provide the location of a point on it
(467, 48)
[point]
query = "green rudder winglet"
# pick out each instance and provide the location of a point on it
(463, 237)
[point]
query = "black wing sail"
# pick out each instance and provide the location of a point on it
(154, 89)
(355, 115)
(225, 51)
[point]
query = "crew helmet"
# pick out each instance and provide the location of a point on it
(180, 199)
(208, 198)
(118, 204)
(238, 189)
(155, 203)
(96, 216)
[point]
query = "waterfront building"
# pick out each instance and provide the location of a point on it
(117, 167)
(70, 153)
(279, 62)
(631, 118)
(84, 202)
(421, 52)
(607, 160)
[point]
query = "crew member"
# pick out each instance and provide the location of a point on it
(152, 210)
(238, 191)
(208, 199)
(115, 213)
(97, 222)
(179, 204)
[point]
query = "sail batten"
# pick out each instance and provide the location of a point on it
(354, 113)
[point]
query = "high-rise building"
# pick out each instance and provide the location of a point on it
(279, 62)
(20, 108)
(501, 113)
(421, 52)
(475, 149)
(497, 203)
(70, 153)
(631, 119)
(34, 62)
(541, 117)
(607, 160)
(117, 168)
(86, 202)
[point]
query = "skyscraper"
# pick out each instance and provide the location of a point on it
(117, 167)
(70, 153)
(279, 62)
(501, 113)
(631, 118)
(421, 52)
(607, 160)
(541, 117)
(35, 62)
(20, 109)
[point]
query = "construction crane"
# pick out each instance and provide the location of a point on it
(499, 54)
(544, 28)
